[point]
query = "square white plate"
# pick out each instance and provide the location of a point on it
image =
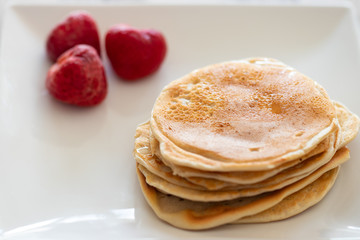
(68, 173)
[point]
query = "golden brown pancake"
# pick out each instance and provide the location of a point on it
(203, 215)
(296, 202)
(143, 156)
(349, 123)
(241, 116)
(221, 195)
(239, 177)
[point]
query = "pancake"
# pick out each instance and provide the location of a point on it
(247, 115)
(295, 203)
(213, 179)
(194, 215)
(349, 123)
(221, 195)
(288, 175)
(143, 155)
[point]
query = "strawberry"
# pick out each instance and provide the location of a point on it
(78, 28)
(134, 53)
(78, 77)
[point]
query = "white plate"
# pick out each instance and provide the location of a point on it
(68, 173)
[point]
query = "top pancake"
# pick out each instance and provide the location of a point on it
(240, 116)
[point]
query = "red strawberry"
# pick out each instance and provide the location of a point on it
(78, 77)
(134, 53)
(78, 28)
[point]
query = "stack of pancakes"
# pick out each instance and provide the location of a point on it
(239, 142)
